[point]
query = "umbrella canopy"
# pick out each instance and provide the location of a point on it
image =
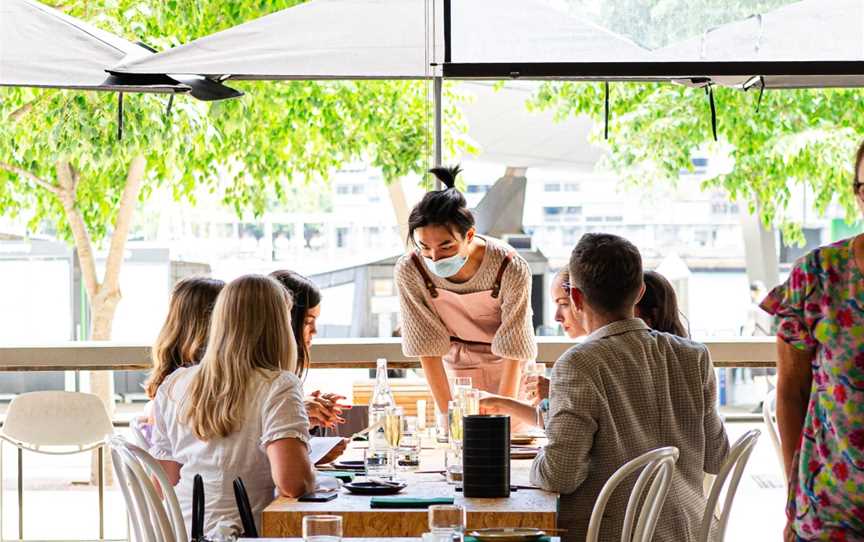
(43, 47)
(814, 43)
(321, 39)
(808, 33)
(385, 39)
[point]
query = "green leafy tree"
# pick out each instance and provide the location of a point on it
(795, 138)
(61, 162)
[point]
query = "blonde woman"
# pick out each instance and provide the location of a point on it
(240, 412)
(183, 336)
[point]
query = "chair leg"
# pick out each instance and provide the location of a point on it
(20, 494)
(101, 493)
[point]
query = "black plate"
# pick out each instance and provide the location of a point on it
(349, 465)
(374, 488)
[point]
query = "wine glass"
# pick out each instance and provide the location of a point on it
(454, 417)
(531, 373)
(393, 433)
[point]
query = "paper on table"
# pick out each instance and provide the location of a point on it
(321, 446)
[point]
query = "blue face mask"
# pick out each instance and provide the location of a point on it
(446, 267)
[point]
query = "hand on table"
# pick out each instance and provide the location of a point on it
(324, 410)
(537, 387)
(491, 403)
(334, 454)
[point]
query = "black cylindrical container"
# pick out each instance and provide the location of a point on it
(486, 456)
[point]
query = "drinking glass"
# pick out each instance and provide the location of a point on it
(454, 418)
(531, 371)
(393, 433)
(459, 383)
(469, 400)
(322, 528)
(408, 452)
(453, 466)
(447, 519)
(442, 426)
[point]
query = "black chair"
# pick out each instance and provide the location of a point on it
(246, 517)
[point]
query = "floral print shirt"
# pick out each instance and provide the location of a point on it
(821, 308)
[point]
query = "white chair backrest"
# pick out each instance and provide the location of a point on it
(734, 465)
(152, 518)
(41, 419)
(658, 465)
(769, 416)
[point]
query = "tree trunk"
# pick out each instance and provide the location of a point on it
(103, 296)
(400, 207)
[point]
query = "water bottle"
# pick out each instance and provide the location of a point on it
(382, 399)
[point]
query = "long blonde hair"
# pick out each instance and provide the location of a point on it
(183, 336)
(250, 333)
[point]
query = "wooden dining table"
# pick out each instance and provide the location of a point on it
(526, 506)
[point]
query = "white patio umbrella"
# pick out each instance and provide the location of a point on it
(43, 47)
(822, 35)
(384, 39)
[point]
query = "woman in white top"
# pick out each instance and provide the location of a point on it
(240, 412)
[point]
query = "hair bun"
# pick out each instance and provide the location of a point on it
(446, 175)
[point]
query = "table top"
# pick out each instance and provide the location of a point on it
(524, 507)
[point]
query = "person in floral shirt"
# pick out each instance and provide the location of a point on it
(820, 388)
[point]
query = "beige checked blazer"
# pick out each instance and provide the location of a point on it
(624, 391)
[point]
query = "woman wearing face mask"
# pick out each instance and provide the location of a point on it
(465, 299)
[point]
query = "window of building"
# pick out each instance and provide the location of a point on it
(342, 237)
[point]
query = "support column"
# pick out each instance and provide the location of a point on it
(760, 249)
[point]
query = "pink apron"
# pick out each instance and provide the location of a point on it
(472, 320)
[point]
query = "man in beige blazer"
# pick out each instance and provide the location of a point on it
(624, 391)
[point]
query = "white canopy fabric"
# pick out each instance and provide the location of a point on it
(829, 31)
(810, 43)
(43, 47)
(321, 39)
(385, 39)
(517, 31)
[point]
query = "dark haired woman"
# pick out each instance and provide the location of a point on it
(465, 299)
(323, 409)
(658, 307)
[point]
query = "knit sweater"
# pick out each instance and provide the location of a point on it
(423, 332)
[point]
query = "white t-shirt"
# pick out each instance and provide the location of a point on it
(274, 410)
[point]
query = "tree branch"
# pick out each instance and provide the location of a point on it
(86, 258)
(123, 223)
(47, 185)
(24, 109)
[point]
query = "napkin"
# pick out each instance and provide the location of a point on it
(408, 502)
(344, 475)
(325, 484)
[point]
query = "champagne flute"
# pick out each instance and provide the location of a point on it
(454, 411)
(393, 434)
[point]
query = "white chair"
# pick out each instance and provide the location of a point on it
(153, 519)
(769, 416)
(734, 465)
(658, 465)
(57, 423)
